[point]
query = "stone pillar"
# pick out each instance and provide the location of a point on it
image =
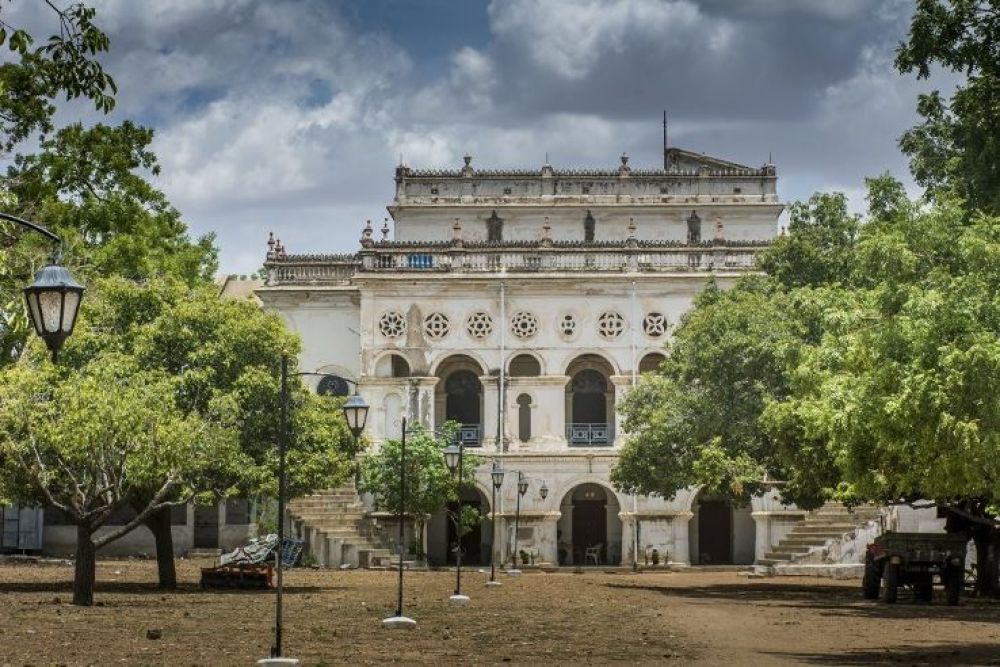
(489, 412)
(421, 408)
(682, 544)
(762, 542)
(622, 383)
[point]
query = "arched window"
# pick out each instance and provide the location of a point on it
(651, 362)
(524, 418)
(525, 365)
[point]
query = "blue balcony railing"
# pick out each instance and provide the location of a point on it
(588, 435)
(471, 435)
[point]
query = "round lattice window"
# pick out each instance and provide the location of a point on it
(436, 326)
(567, 325)
(610, 325)
(479, 325)
(392, 324)
(654, 325)
(524, 324)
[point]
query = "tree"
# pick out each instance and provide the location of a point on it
(954, 149)
(430, 486)
(85, 440)
(903, 388)
(219, 352)
(65, 65)
(86, 186)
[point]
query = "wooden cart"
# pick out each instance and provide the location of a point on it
(913, 560)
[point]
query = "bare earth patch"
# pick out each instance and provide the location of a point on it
(335, 617)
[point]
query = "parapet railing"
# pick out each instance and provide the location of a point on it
(390, 257)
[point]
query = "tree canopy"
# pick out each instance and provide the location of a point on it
(954, 149)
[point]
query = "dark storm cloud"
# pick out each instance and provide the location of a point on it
(291, 114)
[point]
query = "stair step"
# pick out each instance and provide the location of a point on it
(771, 555)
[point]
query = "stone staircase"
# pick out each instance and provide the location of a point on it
(334, 529)
(833, 535)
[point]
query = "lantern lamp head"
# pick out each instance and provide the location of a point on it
(53, 303)
(497, 475)
(453, 456)
(522, 483)
(544, 491)
(356, 413)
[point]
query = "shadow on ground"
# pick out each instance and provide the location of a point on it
(832, 600)
(134, 588)
(932, 654)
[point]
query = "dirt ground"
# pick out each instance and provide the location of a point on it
(334, 617)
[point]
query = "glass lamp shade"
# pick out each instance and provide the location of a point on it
(497, 475)
(356, 413)
(452, 454)
(522, 484)
(53, 303)
(544, 491)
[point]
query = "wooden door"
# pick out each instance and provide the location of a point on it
(590, 528)
(715, 533)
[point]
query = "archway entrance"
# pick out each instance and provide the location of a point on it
(589, 531)
(721, 532)
(715, 532)
(475, 544)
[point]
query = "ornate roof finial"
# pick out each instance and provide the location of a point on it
(385, 229)
(467, 169)
(467, 158)
(279, 250)
(366, 234)
(631, 229)
(624, 159)
(546, 232)
(270, 245)
(624, 169)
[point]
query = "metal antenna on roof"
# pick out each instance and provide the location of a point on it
(664, 138)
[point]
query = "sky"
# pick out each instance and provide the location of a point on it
(291, 115)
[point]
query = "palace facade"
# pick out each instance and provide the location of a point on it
(524, 305)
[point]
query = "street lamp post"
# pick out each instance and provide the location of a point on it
(522, 488)
(355, 412)
(400, 621)
(453, 456)
(497, 475)
(53, 300)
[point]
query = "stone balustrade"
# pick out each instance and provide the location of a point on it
(389, 257)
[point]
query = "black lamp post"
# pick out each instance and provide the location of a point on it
(522, 488)
(398, 620)
(356, 414)
(54, 298)
(497, 475)
(453, 457)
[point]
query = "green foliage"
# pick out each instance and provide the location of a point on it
(696, 420)
(66, 64)
(224, 355)
(85, 186)
(819, 245)
(954, 150)
(85, 439)
(904, 386)
(429, 484)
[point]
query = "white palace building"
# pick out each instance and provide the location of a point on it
(524, 305)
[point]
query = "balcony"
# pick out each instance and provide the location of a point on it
(470, 435)
(588, 435)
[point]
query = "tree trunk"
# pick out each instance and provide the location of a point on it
(158, 523)
(85, 567)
